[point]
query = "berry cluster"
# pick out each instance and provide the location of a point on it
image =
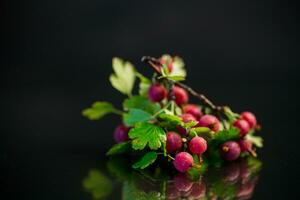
(162, 121)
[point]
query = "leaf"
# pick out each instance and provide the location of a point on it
(139, 102)
(170, 119)
(225, 135)
(174, 78)
(123, 77)
(98, 110)
(178, 67)
(134, 116)
(144, 84)
(119, 148)
(97, 184)
(256, 140)
(146, 160)
(144, 134)
(230, 114)
(190, 124)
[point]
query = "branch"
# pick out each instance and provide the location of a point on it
(155, 64)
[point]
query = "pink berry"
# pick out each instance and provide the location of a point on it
(209, 121)
(183, 161)
(243, 126)
(121, 133)
(197, 145)
(182, 182)
(187, 118)
(250, 118)
(245, 145)
(230, 150)
(193, 110)
(174, 142)
(181, 96)
(157, 92)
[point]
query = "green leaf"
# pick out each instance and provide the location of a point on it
(190, 124)
(225, 135)
(170, 119)
(178, 67)
(139, 102)
(119, 148)
(97, 184)
(123, 77)
(230, 114)
(98, 110)
(174, 78)
(144, 84)
(256, 140)
(146, 160)
(134, 116)
(144, 134)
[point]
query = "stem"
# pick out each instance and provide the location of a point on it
(162, 109)
(118, 112)
(155, 64)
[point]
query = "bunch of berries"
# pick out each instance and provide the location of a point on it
(162, 121)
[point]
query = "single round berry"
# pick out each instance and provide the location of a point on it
(180, 95)
(182, 182)
(230, 150)
(121, 133)
(250, 118)
(157, 92)
(174, 142)
(209, 121)
(243, 126)
(193, 110)
(245, 145)
(197, 145)
(187, 118)
(183, 161)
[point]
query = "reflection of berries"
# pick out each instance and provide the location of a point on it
(230, 150)
(183, 161)
(198, 190)
(245, 145)
(193, 110)
(197, 145)
(182, 182)
(243, 126)
(180, 95)
(209, 121)
(231, 172)
(157, 92)
(250, 118)
(246, 190)
(121, 133)
(174, 142)
(172, 192)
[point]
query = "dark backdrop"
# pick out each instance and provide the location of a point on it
(56, 59)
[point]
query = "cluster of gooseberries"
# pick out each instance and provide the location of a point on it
(181, 146)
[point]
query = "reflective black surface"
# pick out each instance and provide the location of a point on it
(56, 59)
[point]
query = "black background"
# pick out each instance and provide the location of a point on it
(56, 59)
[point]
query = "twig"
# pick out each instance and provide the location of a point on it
(155, 64)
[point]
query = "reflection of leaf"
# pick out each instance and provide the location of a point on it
(97, 184)
(147, 134)
(134, 116)
(120, 167)
(143, 103)
(146, 160)
(131, 192)
(224, 190)
(124, 76)
(98, 110)
(119, 148)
